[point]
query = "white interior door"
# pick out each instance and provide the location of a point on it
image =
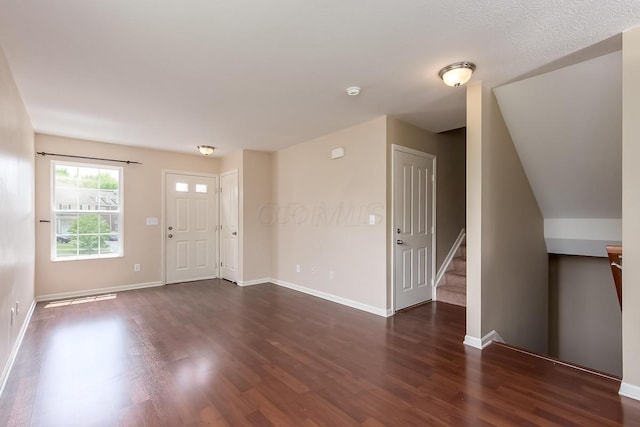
(191, 221)
(229, 221)
(413, 227)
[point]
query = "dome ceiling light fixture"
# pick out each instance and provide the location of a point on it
(457, 74)
(353, 91)
(206, 150)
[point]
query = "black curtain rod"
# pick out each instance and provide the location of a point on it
(129, 162)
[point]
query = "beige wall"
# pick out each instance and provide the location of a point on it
(321, 207)
(16, 214)
(585, 321)
(631, 208)
(142, 198)
(513, 294)
(257, 194)
(449, 149)
(451, 191)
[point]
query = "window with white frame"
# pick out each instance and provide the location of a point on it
(86, 210)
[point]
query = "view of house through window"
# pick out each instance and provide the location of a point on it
(87, 211)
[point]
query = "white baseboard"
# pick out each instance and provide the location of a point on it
(481, 343)
(253, 282)
(89, 292)
(16, 347)
(447, 261)
(629, 390)
(334, 298)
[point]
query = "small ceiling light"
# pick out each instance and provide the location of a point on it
(457, 74)
(205, 150)
(353, 91)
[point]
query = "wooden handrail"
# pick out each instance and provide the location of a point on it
(615, 260)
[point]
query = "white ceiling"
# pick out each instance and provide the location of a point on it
(268, 74)
(567, 128)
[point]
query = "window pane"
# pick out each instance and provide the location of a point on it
(182, 187)
(66, 246)
(111, 221)
(108, 200)
(201, 188)
(88, 178)
(86, 204)
(113, 244)
(109, 179)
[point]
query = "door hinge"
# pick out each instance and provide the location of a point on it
(220, 263)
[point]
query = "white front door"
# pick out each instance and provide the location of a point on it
(229, 222)
(413, 226)
(191, 233)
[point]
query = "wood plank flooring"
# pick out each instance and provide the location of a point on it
(211, 353)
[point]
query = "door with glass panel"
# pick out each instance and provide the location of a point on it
(191, 227)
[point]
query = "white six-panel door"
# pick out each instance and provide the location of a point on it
(191, 227)
(229, 221)
(413, 227)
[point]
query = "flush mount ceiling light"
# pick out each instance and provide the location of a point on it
(353, 91)
(205, 150)
(457, 74)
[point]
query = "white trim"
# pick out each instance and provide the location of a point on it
(395, 148)
(89, 292)
(334, 298)
(629, 390)
(254, 282)
(472, 342)
(452, 253)
(481, 343)
(402, 148)
(16, 347)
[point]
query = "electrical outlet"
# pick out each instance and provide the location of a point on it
(136, 267)
(297, 268)
(331, 275)
(313, 269)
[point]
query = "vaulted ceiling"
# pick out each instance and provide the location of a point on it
(567, 128)
(265, 75)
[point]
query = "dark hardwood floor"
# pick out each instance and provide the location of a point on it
(210, 353)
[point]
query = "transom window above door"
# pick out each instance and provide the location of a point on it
(86, 207)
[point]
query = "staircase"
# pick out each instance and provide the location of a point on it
(453, 289)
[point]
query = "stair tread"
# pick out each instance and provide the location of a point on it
(459, 289)
(459, 273)
(451, 296)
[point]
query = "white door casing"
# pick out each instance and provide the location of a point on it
(413, 233)
(229, 246)
(191, 227)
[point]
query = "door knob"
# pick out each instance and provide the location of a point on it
(170, 228)
(399, 242)
(170, 236)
